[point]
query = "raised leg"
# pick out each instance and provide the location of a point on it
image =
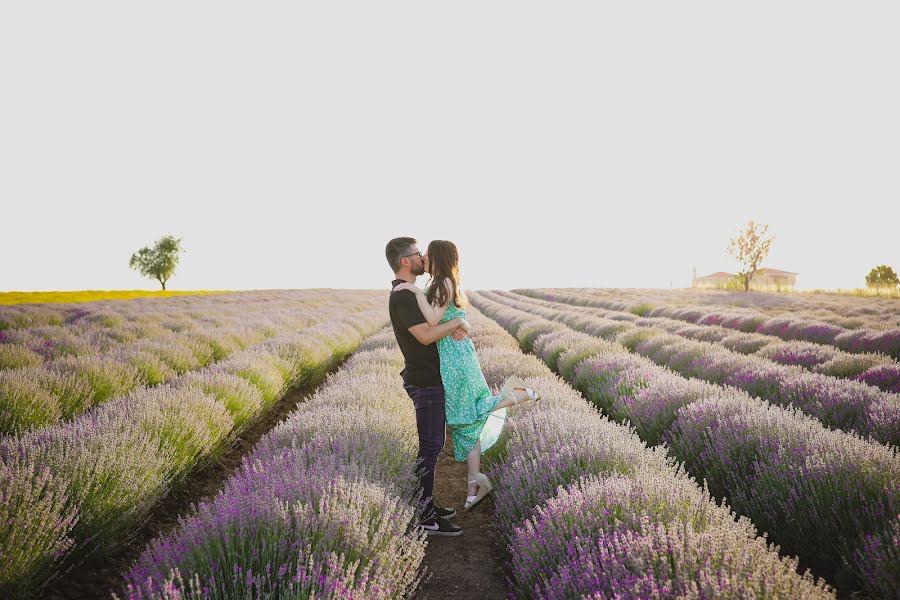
(507, 401)
(474, 463)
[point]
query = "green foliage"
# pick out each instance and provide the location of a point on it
(750, 248)
(735, 283)
(641, 310)
(25, 405)
(158, 262)
(13, 356)
(882, 276)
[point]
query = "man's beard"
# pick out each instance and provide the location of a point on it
(419, 271)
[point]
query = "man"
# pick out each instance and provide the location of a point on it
(422, 374)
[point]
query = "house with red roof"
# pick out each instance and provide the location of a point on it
(764, 279)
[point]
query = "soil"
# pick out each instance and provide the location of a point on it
(469, 566)
(101, 575)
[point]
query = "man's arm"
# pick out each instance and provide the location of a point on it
(429, 334)
(409, 316)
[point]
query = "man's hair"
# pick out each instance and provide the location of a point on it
(396, 249)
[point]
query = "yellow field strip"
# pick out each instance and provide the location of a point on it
(93, 295)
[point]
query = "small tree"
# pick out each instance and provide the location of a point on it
(750, 248)
(882, 276)
(158, 262)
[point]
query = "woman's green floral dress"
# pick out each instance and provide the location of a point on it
(469, 403)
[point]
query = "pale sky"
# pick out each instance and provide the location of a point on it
(582, 144)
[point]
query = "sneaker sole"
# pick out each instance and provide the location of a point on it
(443, 533)
(475, 504)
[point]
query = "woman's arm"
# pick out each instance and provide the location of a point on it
(431, 313)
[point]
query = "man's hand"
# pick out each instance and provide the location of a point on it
(463, 324)
(459, 334)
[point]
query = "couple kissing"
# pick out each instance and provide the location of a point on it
(442, 374)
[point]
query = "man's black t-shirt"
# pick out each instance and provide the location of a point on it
(423, 366)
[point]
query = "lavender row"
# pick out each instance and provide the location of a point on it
(587, 510)
(72, 489)
(828, 496)
(18, 316)
(96, 328)
(846, 311)
(872, 368)
(172, 311)
(785, 327)
(877, 370)
(42, 346)
(851, 312)
(34, 397)
(847, 405)
(324, 506)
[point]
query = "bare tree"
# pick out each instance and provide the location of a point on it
(750, 247)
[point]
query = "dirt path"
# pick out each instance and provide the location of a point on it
(101, 575)
(467, 566)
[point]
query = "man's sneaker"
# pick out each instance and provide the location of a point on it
(444, 513)
(441, 526)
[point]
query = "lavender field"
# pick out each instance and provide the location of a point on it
(683, 447)
(210, 389)
(810, 461)
(105, 407)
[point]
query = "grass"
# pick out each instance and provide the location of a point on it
(93, 295)
(868, 293)
(863, 292)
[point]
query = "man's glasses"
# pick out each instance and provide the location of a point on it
(413, 254)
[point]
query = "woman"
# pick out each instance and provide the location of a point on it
(475, 416)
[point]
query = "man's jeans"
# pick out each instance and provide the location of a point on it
(431, 422)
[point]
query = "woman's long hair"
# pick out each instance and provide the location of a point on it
(444, 261)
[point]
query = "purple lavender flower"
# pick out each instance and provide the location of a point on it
(817, 492)
(814, 490)
(650, 535)
(113, 463)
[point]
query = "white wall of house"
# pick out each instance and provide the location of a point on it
(764, 281)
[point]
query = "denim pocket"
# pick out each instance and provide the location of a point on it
(411, 391)
(426, 397)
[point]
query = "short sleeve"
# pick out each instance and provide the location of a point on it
(407, 309)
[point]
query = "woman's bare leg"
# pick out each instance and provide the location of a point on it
(520, 395)
(474, 457)
(474, 460)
